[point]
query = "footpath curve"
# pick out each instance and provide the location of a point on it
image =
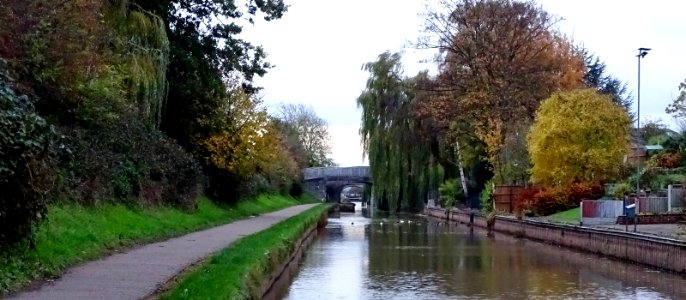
(138, 273)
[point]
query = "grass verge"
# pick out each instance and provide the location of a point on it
(75, 234)
(238, 271)
(571, 216)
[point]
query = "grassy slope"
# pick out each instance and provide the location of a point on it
(74, 234)
(238, 271)
(571, 216)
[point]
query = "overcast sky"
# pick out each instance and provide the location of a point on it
(319, 46)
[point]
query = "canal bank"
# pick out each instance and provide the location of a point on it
(412, 257)
(254, 266)
(660, 252)
(139, 272)
(280, 277)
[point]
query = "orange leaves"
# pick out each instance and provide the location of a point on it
(669, 160)
(501, 59)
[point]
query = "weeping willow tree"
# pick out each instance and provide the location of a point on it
(141, 50)
(399, 156)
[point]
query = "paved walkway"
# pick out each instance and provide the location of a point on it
(139, 272)
(672, 231)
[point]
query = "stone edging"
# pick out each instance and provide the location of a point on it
(280, 277)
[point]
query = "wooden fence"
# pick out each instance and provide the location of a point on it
(505, 196)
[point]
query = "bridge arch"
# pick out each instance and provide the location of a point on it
(328, 182)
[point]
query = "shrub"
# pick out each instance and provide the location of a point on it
(523, 201)
(585, 191)
(449, 191)
(622, 189)
(660, 180)
(24, 177)
(487, 197)
(172, 170)
(669, 160)
(125, 160)
(550, 200)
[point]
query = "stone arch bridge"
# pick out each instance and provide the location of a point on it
(328, 182)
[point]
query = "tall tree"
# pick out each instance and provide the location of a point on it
(87, 59)
(399, 152)
(242, 145)
(678, 107)
(205, 49)
(311, 132)
(291, 142)
(597, 78)
(499, 59)
(655, 132)
(578, 135)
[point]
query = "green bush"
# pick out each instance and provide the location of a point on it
(662, 180)
(622, 189)
(487, 197)
(449, 191)
(25, 138)
(125, 160)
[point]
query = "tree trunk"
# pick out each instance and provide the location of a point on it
(459, 163)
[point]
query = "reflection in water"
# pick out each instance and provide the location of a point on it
(416, 258)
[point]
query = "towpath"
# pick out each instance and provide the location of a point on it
(138, 273)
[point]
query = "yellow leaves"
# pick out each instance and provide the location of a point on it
(577, 135)
(231, 153)
(282, 168)
(245, 142)
(501, 60)
(490, 131)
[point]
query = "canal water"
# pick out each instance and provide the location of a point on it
(420, 258)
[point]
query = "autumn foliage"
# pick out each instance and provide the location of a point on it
(577, 136)
(545, 201)
(498, 61)
(669, 160)
(133, 102)
(247, 154)
(501, 59)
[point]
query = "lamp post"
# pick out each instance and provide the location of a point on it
(642, 52)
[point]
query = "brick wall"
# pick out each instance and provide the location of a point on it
(654, 219)
(654, 251)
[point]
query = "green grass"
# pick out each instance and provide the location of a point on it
(238, 271)
(74, 233)
(571, 216)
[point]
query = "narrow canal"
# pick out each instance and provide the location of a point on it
(418, 258)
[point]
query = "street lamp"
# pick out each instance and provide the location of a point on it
(642, 52)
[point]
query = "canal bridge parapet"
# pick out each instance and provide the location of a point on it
(328, 182)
